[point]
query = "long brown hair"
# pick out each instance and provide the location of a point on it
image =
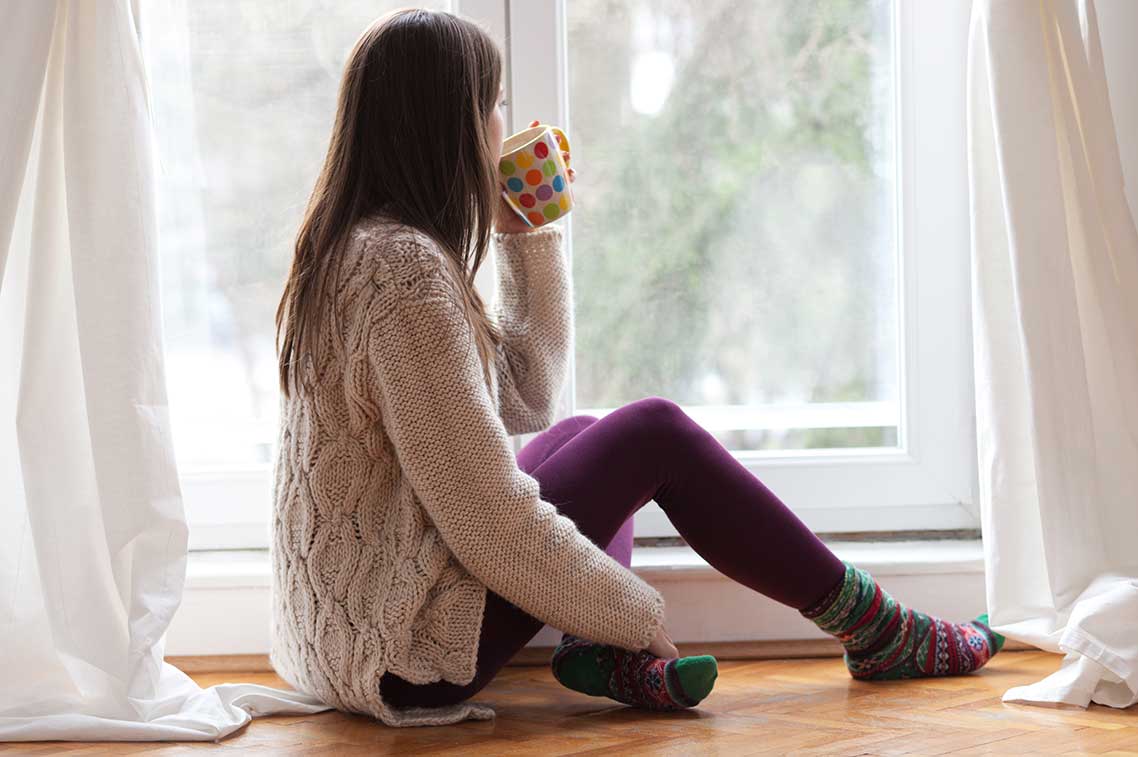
(410, 139)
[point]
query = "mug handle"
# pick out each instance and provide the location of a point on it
(562, 141)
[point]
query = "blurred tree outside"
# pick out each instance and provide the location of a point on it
(733, 235)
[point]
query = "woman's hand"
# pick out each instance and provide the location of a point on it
(508, 221)
(662, 646)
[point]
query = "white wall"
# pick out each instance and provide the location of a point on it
(1118, 28)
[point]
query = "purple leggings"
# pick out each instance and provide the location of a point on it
(600, 472)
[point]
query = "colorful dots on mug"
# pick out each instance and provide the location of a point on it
(535, 184)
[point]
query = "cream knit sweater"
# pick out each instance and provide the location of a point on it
(398, 500)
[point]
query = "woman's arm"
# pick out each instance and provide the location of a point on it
(534, 309)
(454, 450)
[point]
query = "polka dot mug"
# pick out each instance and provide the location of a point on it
(533, 175)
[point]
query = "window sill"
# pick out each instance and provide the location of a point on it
(225, 607)
(879, 558)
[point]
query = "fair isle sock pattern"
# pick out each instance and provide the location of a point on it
(885, 640)
(639, 678)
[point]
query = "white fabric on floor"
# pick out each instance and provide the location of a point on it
(92, 533)
(1055, 319)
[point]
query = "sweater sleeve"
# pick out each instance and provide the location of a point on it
(533, 309)
(454, 450)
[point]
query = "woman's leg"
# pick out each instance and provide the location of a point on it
(505, 628)
(542, 446)
(605, 472)
(651, 449)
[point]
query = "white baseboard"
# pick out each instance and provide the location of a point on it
(225, 607)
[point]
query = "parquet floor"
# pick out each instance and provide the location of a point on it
(763, 707)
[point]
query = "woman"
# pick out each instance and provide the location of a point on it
(413, 554)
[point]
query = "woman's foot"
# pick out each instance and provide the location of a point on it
(636, 678)
(886, 640)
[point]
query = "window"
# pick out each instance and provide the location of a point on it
(738, 195)
(244, 94)
(771, 230)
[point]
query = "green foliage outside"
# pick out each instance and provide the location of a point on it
(745, 229)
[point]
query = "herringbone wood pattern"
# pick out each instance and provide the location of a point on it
(760, 707)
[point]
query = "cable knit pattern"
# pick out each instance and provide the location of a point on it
(398, 500)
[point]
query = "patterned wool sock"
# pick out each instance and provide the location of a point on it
(886, 640)
(637, 678)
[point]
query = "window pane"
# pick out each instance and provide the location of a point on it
(734, 234)
(244, 94)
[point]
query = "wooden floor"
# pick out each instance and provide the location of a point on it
(761, 707)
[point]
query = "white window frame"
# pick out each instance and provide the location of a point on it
(929, 482)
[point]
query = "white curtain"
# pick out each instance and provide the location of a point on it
(1055, 319)
(92, 534)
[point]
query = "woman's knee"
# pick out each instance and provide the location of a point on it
(581, 421)
(657, 422)
(660, 412)
(569, 426)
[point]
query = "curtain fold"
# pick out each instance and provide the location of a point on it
(1055, 326)
(92, 531)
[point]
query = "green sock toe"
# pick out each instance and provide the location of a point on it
(999, 639)
(635, 678)
(697, 675)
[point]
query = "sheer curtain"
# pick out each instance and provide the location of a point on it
(92, 533)
(1055, 318)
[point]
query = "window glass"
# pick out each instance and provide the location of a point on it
(734, 230)
(244, 93)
